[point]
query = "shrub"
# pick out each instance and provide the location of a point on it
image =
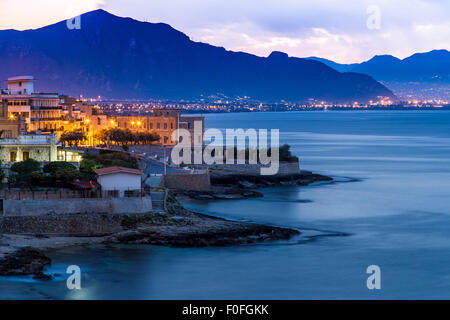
(52, 167)
(26, 167)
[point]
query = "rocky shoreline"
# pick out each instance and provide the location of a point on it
(25, 254)
(231, 186)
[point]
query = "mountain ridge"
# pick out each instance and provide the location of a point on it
(119, 57)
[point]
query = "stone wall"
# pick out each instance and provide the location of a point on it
(70, 224)
(285, 168)
(63, 224)
(18, 208)
(194, 182)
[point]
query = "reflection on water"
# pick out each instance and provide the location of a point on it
(389, 206)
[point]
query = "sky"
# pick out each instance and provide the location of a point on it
(345, 31)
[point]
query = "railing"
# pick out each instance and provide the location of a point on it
(68, 194)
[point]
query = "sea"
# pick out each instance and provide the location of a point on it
(387, 208)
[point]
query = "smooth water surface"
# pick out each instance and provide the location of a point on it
(388, 206)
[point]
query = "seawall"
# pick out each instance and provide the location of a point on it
(19, 208)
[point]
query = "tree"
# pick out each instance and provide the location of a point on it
(26, 167)
(2, 172)
(124, 137)
(73, 137)
(286, 155)
(23, 171)
(91, 162)
(54, 166)
(61, 172)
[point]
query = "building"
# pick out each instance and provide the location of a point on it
(42, 147)
(163, 121)
(27, 110)
(120, 181)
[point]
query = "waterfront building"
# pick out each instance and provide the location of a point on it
(120, 181)
(27, 110)
(24, 111)
(163, 121)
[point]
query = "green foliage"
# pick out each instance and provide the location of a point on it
(125, 137)
(73, 137)
(66, 175)
(54, 166)
(286, 155)
(61, 172)
(23, 172)
(2, 172)
(26, 167)
(89, 166)
(108, 159)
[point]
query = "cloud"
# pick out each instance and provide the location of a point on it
(31, 14)
(327, 28)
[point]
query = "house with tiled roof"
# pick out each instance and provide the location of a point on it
(119, 181)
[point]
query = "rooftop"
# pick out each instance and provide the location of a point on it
(116, 169)
(20, 78)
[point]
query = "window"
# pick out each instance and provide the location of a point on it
(20, 84)
(26, 155)
(12, 156)
(151, 125)
(165, 125)
(8, 134)
(158, 126)
(165, 140)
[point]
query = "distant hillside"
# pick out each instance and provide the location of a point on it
(422, 73)
(123, 58)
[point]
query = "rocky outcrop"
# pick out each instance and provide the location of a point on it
(199, 230)
(229, 186)
(24, 261)
(258, 181)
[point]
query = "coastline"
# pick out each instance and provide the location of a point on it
(26, 254)
(227, 185)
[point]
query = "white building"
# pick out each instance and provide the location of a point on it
(119, 180)
(40, 111)
(40, 147)
(21, 85)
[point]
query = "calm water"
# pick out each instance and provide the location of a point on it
(390, 206)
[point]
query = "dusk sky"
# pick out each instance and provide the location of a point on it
(331, 29)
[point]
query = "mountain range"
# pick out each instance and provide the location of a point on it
(421, 72)
(117, 57)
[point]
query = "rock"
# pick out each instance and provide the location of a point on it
(24, 261)
(42, 276)
(246, 184)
